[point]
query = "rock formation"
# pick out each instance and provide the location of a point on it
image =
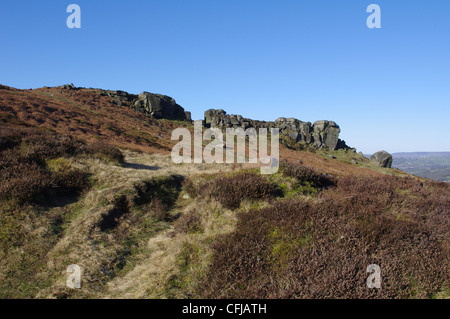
(293, 133)
(68, 87)
(159, 106)
(155, 105)
(321, 134)
(382, 159)
(121, 98)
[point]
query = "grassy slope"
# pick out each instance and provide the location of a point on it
(165, 250)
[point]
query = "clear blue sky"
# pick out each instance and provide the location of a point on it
(387, 88)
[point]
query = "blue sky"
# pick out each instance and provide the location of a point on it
(387, 88)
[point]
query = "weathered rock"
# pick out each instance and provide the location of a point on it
(68, 87)
(214, 118)
(120, 98)
(120, 95)
(382, 159)
(326, 133)
(323, 134)
(159, 106)
(306, 132)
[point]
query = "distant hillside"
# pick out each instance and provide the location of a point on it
(432, 165)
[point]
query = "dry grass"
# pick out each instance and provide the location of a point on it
(175, 261)
(102, 253)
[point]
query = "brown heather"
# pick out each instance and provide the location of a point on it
(230, 191)
(321, 249)
(24, 156)
(306, 175)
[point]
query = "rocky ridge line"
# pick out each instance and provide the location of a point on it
(320, 134)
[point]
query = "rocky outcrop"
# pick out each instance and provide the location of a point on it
(321, 134)
(382, 159)
(297, 130)
(121, 98)
(68, 87)
(159, 106)
(326, 133)
(219, 118)
(188, 116)
(155, 105)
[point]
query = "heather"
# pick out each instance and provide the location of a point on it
(321, 248)
(33, 162)
(230, 191)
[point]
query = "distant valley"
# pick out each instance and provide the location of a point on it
(432, 165)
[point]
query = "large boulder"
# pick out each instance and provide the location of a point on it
(159, 106)
(326, 134)
(382, 159)
(297, 130)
